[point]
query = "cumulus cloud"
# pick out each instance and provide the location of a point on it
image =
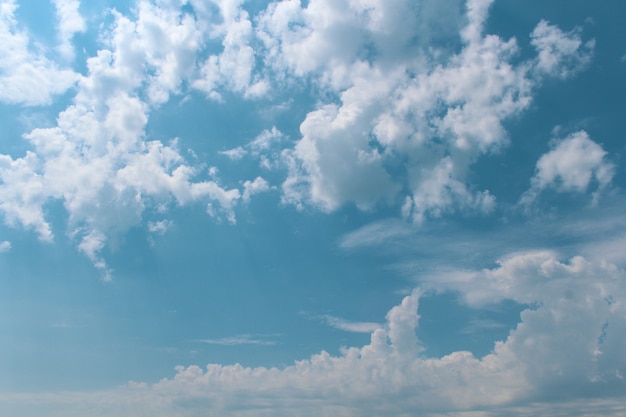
(561, 54)
(574, 306)
(70, 22)
(250, 188)
(429, 115)
(571, 166)
(234, 67)
(97, 160)
(402, 104)
(27, 76)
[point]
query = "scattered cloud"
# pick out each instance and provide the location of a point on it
(430, 117)
(412, 107)
(401, 118)
(97, 160)
(264, 148)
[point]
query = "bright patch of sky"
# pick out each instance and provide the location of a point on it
(323, 207)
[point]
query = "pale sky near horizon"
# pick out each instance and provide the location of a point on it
(312, 208)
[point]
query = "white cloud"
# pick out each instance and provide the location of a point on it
(407, 107)
(244, 339)
(250, 188)
(430, 113)
(376, 234)
(97, 160)
(347, 325)
(160, 227)
(27, 76)
(234, 66)
(571, 166)
(561, 54)
(70, 22)
(265, 147)
(21, 194)
(5, 246)
(568, 344)
(235, 153)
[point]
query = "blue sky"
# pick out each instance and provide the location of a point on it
(323, 207)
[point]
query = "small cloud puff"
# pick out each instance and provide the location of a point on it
(250, 188)
(561, 54)
(5, 246)
(571, 166)
(160, 227)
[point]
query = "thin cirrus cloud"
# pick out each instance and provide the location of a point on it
(343, 324)
(243, 339)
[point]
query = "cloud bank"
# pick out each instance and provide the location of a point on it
(389, 376)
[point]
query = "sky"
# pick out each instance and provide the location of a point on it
(336, 208)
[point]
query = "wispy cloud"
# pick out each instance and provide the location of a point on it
(377, 233)
(243, 339)
(351, 326)
(343, 324)
(481, 325)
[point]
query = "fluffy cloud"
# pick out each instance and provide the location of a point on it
(97, 160)
(575, 306)
(234, 67)
(561, 54)
(250, 188)
(571, 165)
(70, 22)
(426, 112)
(401, 104)
(27, 76)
